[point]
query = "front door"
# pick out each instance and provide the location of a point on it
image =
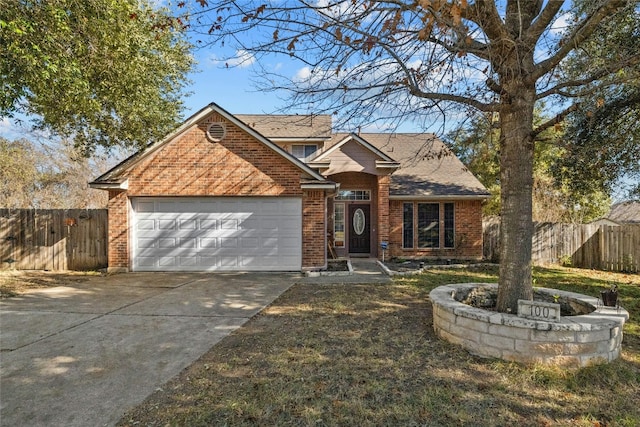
(359, 229)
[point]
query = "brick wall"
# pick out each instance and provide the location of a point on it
(238, 165)
(118, 231)
(383, 211)
(468, 231)
(313, 229)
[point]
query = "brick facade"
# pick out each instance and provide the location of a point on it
(313, 229)
(238, 165)
(118, 254)
(193, 166)
(241, 164)
(383, 211)
(467, 226)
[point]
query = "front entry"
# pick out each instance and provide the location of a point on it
(359, 229)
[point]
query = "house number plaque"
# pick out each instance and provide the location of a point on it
(538, 310)
(358, 221)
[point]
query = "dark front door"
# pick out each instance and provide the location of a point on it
(359, 229)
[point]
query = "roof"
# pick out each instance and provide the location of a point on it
(625, 213)
(117, 176)
(428, 168)
(292, 127)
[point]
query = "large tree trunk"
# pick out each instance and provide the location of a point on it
(516, 181)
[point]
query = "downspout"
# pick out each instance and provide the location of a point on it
(326, 218)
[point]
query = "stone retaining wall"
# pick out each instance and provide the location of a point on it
(574, 341)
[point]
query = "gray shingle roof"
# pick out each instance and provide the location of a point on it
(427, 166)
(625, 213)
(289, 126)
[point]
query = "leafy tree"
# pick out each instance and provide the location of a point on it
(601, 139)
(556, 197)
(102, 72)
(409, 59)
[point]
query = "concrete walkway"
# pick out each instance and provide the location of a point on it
(82, 354)
(365, 270)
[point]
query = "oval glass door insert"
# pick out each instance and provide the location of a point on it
(359, 221)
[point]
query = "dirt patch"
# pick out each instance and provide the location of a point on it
(17, 282)
(406, 265)
(337, 265)
(487, 298)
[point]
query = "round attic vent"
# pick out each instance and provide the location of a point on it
(215, 132)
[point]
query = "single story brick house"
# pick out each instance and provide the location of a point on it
(228, 192)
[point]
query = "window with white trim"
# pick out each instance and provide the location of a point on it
(302, 151)
(354, 195)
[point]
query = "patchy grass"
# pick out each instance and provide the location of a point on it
(367, 355)
(16, 282)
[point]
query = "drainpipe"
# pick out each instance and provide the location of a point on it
(326, 217)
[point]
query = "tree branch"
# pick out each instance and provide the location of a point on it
(580, 34)
(559, 118)
(538, 26)
(596, 75)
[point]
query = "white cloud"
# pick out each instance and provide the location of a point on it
(241, 59)
(561, 24)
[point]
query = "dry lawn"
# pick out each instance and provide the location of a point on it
(329, 355)
(17, 282)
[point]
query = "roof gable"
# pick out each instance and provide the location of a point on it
(428, 168)
(351, 153)
(116, 177)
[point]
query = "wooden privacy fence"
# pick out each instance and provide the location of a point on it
(55, 239)
(602, 247)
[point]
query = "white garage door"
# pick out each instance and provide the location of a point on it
(217, 234)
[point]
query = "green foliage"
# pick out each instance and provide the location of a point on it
(565, 261)
(603, 146)
(102, 72)
(602, 138)
(556, 196)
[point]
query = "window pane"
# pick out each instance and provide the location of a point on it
(338, 225)
(309, 150)
(428, 225)
(407, 226)
(303, 151)
(354, 195)
(449, 225)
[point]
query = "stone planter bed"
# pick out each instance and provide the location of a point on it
(579, 340)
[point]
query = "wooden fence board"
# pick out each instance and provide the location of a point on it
(615, 248)
(56, 239)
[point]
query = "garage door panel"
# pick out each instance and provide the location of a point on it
(223, 234)
(208, 224)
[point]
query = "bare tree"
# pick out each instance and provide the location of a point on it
(395, 60)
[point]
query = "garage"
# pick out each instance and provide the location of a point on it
(216, 234)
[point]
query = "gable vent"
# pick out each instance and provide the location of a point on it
(216, 131)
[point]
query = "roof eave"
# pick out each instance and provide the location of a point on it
(439, 197)
(300, 139)
(123, 185)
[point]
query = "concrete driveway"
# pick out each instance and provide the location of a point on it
(82, 354)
